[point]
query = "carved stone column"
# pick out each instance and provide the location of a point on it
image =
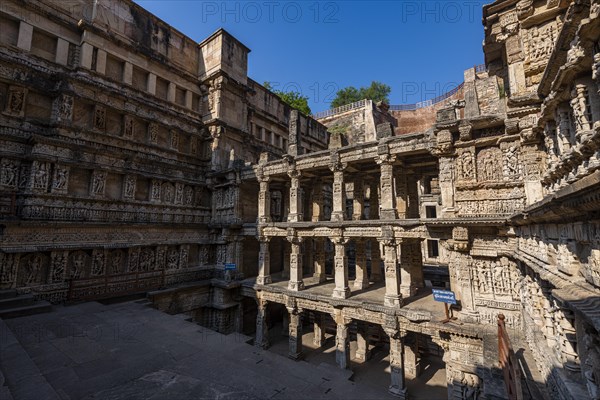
(296, 283)
(317, 201)
(338, 193)
(262, 329)
(401, 193)
(295, 214)
(319, 259)
(340, 263)
(342, 341)
(388, 195)
(264, 261)
(412, 367)
(318, 329)
(374, 200)
(362, 276)
(406, 286)
(358, 200)
(392, 298)
(397, 386)
(580, 106)
(264, 201)
(363, 352)
(376, 262)
(309, 253)
(295, 333)
(285, 325)
(285, 274)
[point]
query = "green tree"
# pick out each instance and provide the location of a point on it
(292, 98)
(377, 91)
(346, 95)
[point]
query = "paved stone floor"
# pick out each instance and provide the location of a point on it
(430, 385)
(132, 351)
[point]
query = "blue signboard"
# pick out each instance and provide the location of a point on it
(444, 296)
(229, 267)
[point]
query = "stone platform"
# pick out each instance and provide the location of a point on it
(132, 351)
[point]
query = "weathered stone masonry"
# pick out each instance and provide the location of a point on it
(135, 159)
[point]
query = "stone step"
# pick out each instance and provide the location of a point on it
(35, 308)
(8, 293)
(17, 301)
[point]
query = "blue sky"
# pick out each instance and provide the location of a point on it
(419, 48)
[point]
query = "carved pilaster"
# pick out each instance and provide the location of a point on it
(580, 104)
(295, 214)
(318, 330)
(363, 352)
(342, 341)
(393, 297)
(340, 262)
(264, 200)
(296, 283)
(319, 259)
(376, 275)
(398, 385)
(262, 329)
(358, 200)
(264, 262)
(317, 201)
(374, 200)
(338, 192)
(362, 276)
(295, 333)
(387, 201)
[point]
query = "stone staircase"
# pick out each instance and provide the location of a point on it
(13, 305)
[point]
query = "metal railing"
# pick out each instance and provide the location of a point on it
(341, 109)
(400, 107)
(428, 103)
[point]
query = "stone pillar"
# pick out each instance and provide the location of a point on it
(264, 200)
(401, 194)
(342, 342)
(319, 259)
(358, 200)
(397, 386)
(318, 329)
(62, 52)
(285, 325)
(412, 368)
(85, 55)
(388, 197)
(262, 329)
(309, 254)
(363, 352)
(580, 107)
(264, 261)
(393, 297)
(446, 177)
(128, 73)
(25, 36)
(296, 283)
(338, 193)
(295, 333)
(376, 262)
(151, 84)
(374, 200)
(285, 274)
(101, 61)
(295, 214)
(285, 196)
(317, 201)
(362, 276)
(406, 287)
(340, 263)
